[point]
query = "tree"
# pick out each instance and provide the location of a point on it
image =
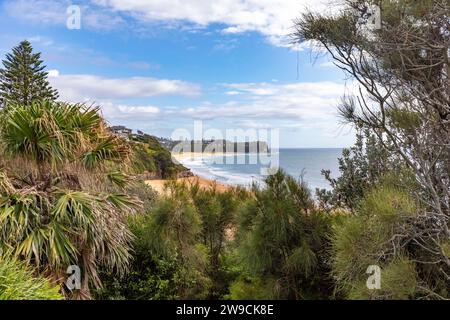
(361, 167)
(284, 240)
(217, 211)
(376, 237)
(154, 273)
(167, 240)
(402, 70)
(23, 78)
(60, 199)
(182, 246)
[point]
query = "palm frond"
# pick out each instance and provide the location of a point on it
(108, 149)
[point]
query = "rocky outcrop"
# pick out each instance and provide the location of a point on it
(185, 174)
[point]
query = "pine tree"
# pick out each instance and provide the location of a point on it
(23, 78)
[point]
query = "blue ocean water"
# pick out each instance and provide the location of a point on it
(243, 170)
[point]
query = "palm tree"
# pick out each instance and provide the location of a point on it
(59, 205)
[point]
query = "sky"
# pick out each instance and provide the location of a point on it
(160, 66)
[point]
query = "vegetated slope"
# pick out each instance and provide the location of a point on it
(152, 159)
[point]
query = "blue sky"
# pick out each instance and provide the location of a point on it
(158, 66)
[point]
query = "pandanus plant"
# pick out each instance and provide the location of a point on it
(60, 192)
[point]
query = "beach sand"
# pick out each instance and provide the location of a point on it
(158, 185)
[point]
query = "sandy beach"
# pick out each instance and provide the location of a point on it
(158, 185)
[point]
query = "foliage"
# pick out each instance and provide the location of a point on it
(374, 237)
(169, 262)
(284, 239)
(149, 277)
(23, 79)
(361, 167)
(54, 208)
(402, 73)
(150, 156)
(17, 283)
(182, 247)
(217, 211)
(251, 288)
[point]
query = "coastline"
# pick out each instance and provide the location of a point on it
(202, 155)
(202, 164)
(180, 158)
(300, 163)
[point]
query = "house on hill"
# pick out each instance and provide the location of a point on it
(121, 131)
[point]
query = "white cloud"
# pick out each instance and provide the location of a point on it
(42, 11)
(301, 89)
(120, 112)
(53, 73)
(232, 93)
(272, 18)
(54, 12)
(251, 124)
(327, 64)
(294, 107)
(297, 102)
(299, 110)
(84, 87)
(139, 109)
(44, 41)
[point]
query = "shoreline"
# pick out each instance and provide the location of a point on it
(190, 159)
(234, 180)
(158, 184)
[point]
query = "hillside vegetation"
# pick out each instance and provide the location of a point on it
(150, 158)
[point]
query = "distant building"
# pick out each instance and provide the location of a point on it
(121, 131)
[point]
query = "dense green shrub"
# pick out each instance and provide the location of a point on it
(217, 211)
(377, 235)
(251, 288)
(284, 240)
(17, 283)
(183, 246)
(168, 260)
(58, 162)
(403, 102)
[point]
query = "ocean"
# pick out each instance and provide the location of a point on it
(243, 170)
